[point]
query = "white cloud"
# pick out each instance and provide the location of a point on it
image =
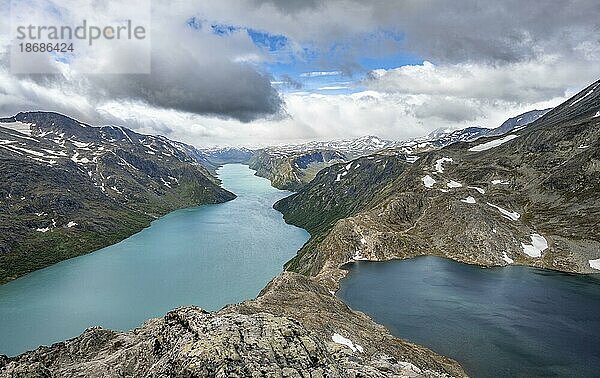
(520, 82)
(517, 61)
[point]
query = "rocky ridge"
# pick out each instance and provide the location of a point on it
(530, 197)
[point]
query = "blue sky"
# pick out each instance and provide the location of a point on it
(335, 68)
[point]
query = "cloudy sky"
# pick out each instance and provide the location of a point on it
(262, 72)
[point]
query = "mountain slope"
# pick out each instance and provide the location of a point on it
(67, 188)
(292, 170)
(531, 197)
(517, 122)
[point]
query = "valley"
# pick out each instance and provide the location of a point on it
(525, 195)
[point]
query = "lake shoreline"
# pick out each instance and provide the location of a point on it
(511, 312)
(184, 257)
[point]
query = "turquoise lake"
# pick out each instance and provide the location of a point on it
(207, 256)
(498, 322)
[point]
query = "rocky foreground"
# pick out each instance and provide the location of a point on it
(295, 328)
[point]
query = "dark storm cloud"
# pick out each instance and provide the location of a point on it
(502, 31)
(452, 31)
(229, 89)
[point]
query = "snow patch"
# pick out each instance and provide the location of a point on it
(71, 224)
(469, 199)
(453, 184)
(339, 339)
(165, 183)
(411, 159)
(439, 164)
(512, 215)
(481, 191)
(31, 152)
(75, 158)
(80, 144)
(492, 144)
(428, 181)
(506, 258)
(584, 96)
(594, 264)
(20, 127)
(114, 188)
(358, 256)
(500, 182)
(537, 246)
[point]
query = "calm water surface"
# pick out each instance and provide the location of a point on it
(207, 256)
(500, 322)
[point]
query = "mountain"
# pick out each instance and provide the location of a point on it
(442, 138)
(291, 166)
(279, 163)
(531, 197)
(349, 147)
(228, 155)
(291, 170)
(517, 122)
(67, 188)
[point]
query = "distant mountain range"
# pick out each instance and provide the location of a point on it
(292, 166)
(64, 182)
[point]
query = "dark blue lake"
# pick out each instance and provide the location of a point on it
(499, 322)
(207, 256)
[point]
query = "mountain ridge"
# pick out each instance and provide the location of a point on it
(528, 198)
(68, 188)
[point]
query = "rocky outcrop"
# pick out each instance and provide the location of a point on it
(292, 170)
(295, 328)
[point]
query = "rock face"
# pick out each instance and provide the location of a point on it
(531, 198)
(68, 188)
(292, 170)
(288, 331)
